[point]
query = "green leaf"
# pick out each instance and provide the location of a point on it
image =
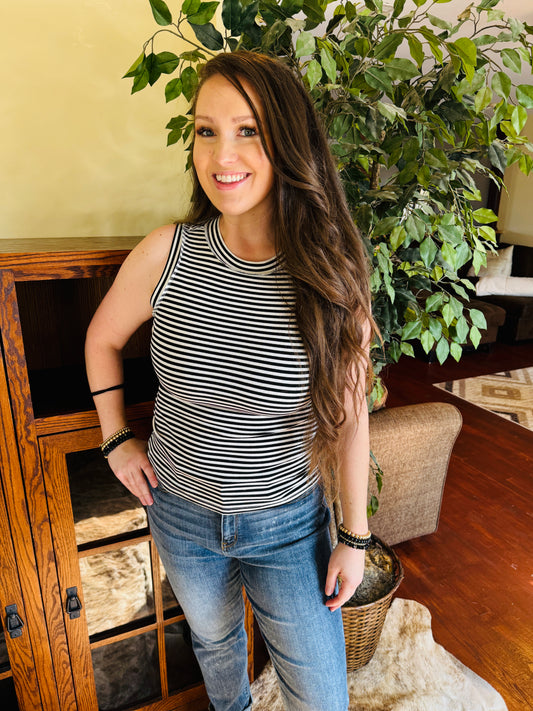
(167, 62)
(435, 327)
(190, 6)
(136, 67)
(438, 22)
(177, 123)
(328, 65)
(232, 16)
(519, 118)
(407, 349)
(434, 301)
(401, 69)
(501, 84)
(478, 318)
(497, 156)
(397, 237)
(466, 49)
(305, 44)
(416, 49)
(398, 8)
(173, 89)
(452, 234)
(388, 46)
(524, 94)
(314, 73)
(173, 137)
(448, 254)
(189, 80)
(456, 351)
(427, 340)
(447, 314)
(411, 330)
(386, 225)
(415, 227)
(373, 506)
(208, 35)
(378, 79)
(484, 216)
(475, 336)
(203, 14)
(461, 329)
(511, 60)
(161, 13)
(442, 350)
(428, 251)
(140, 80)
(483, 99)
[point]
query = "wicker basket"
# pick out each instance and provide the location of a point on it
(363, 623)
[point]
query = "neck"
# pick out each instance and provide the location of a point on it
(249, 239)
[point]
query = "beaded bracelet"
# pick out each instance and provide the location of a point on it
(113, 441)
(354, 540)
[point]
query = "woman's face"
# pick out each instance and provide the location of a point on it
(231, 164)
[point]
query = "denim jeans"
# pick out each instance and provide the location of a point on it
(280, 555)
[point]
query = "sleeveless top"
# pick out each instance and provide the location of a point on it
(231, 416)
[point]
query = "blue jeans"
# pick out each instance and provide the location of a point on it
(280, 555)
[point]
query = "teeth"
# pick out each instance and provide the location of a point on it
(235, 178)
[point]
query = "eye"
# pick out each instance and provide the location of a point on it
(248, 131)
(204, 132)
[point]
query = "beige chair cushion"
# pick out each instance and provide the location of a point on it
(413, 445)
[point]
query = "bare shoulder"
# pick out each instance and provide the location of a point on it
(149, 257)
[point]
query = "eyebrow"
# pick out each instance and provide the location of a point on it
(237, 119)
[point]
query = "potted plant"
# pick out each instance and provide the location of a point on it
(415, 106)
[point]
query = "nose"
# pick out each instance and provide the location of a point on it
(225, 152)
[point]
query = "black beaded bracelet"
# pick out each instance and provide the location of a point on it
(113, 441)
(353, 540)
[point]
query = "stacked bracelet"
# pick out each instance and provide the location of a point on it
(354, 540)
(113, 441)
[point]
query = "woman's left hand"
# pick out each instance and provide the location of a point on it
(347, 566)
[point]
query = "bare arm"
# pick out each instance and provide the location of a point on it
(125, 307)
(347, 564)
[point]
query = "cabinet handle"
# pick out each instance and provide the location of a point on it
(14, 623)
(73, 605)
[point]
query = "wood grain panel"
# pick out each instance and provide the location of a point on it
(20, 457)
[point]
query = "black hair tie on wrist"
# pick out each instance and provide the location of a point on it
(107, 390)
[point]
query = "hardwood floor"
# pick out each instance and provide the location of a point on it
(475, 574)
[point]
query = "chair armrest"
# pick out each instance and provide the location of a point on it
(413, 445)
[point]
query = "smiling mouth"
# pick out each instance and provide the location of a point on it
(230, 178)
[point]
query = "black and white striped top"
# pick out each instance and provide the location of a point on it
(232, 408)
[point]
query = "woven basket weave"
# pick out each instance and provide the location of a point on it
(363, 623)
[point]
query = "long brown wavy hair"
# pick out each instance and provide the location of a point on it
(317, 239)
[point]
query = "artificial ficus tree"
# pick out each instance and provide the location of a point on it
(415, 107)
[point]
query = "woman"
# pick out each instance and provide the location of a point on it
(260, 343)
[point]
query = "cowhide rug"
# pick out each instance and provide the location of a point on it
(409, 672)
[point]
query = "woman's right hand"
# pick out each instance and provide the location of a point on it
(130, 464)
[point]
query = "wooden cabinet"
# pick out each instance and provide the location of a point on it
(89, 619)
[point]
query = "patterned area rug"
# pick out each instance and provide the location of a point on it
(408, 672)
(508, 394)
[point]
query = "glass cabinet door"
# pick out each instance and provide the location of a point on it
(129, 641)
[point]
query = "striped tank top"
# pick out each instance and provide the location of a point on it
(232, 408)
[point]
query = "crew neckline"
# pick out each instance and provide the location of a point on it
(221, 250)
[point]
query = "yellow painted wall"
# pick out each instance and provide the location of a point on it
(514, 216)
(79, 155)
